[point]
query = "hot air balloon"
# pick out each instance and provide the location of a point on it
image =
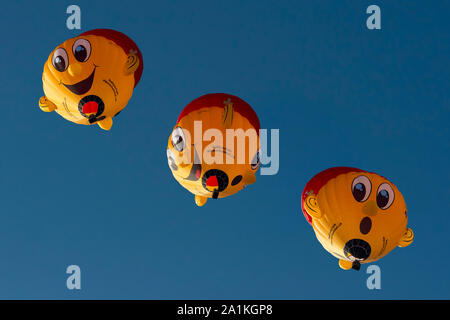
(89, 79)
(357, 216)
(213, 150)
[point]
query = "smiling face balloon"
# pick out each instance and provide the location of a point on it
(89, 79)
(213, 148)
(357, 216)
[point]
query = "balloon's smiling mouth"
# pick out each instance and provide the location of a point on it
(83, 86)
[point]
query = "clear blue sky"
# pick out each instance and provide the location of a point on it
(339, 93)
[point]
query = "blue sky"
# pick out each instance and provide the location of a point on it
(339, 93)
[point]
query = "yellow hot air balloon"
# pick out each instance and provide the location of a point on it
(89, 79)
(220, 166)
(357, 216)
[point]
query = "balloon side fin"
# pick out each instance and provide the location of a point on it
(345, 264)
(407, 238)
(46, 105)
(200, 201)
(106, 123)
(132, 64)
(312, 207)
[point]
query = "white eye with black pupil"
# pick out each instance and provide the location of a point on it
(171, 160)
(361, 188)
(60, 60)
(385, 196)
(178, 140)
(81, 50)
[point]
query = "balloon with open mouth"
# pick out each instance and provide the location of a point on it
(89, 79)
(213, 150)
(357, 216)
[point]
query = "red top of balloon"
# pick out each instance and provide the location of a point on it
(219, 99)
(319, 180)
(125, 43)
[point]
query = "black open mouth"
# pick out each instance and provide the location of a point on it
(83, 86)
(92, 107)
(365, 225)
(357, 249)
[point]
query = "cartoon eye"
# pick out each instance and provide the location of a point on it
(81, 50)
(171, 160)
(255, 161)
(178, 140)
(60, 60)
(361, 188)
(385, 196)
